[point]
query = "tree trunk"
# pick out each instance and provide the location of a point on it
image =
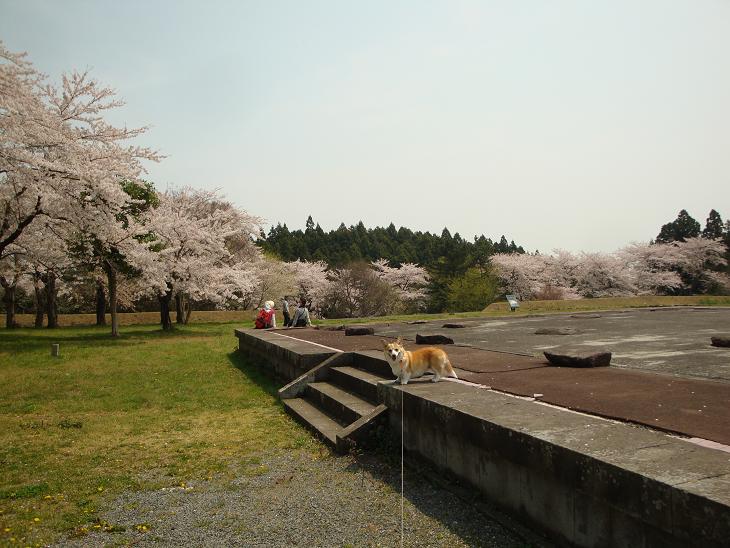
(111, 278)
(39, 304)
(188, 311)
(179, 308)
(165, 309)
(51, 302)
(100, 304)
(9, 300)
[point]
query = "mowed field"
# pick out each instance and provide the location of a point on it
(244, 318)
(76, 430)
(173, 439)
(144, 318)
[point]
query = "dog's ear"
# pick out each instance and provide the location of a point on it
(399, 341)
(385, 343)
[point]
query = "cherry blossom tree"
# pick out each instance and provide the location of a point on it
(12, 268)
(697, 260)
(520, 274)
(117, 240)
(194, 230)
(57, 153)
(273, 281)
(691, 265)
(602, 275)
(311, 282)
(59, 159)
(345, 293)
(652, 267)
(409, 281)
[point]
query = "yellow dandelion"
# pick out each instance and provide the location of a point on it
(36, 519)
(7, 529)
(100, 489)
(47, 497)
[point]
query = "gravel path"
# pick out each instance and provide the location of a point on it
(296, 499)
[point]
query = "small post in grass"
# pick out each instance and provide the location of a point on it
(56, 350)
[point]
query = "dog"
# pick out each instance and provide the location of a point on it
(408, 365)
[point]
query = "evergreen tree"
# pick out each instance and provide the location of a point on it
(713, 226)
(447, 258)
(683, 227)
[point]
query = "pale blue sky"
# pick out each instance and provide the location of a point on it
(596, 121)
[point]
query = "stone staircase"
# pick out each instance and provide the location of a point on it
(338, 400)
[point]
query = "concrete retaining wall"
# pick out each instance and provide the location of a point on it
(584, 480)
(288, 358)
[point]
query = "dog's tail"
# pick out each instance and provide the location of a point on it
(450, 369)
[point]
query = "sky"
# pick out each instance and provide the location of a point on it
(560, 124)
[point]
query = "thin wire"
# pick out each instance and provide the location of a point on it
(402, 429)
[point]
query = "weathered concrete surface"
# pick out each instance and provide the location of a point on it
(669, 340)
(289, 358)
(696, 407)
(589, 481)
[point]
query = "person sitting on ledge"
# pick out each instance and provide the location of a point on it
(301, 315)
(266, 318)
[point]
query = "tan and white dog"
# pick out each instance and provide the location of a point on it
(408, 365)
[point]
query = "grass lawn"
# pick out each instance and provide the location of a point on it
(549, 307)
(77, 430)
(151, 410)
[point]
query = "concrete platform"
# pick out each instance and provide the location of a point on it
(694, 407)
(585, 480)
(668, 340)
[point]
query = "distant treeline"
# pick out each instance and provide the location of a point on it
(447, 258)
(399, 245)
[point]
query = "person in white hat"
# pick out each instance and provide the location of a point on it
(266, 318)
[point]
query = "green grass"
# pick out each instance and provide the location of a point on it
(546, 307)
(152, 409)
(147, 410)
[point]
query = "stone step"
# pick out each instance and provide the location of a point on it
(357, 381)
(341, 404)
(374, 363)
(313, 418)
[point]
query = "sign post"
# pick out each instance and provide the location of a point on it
(514, 304)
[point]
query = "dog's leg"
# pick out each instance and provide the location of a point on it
(451, 372)
(436, 377)
(404, 378)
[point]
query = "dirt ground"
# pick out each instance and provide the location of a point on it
(295, 500)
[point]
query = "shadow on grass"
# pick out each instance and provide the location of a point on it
(255, 373)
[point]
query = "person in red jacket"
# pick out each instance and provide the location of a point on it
(266, 318)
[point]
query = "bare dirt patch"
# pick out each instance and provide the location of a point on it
(297, 499)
